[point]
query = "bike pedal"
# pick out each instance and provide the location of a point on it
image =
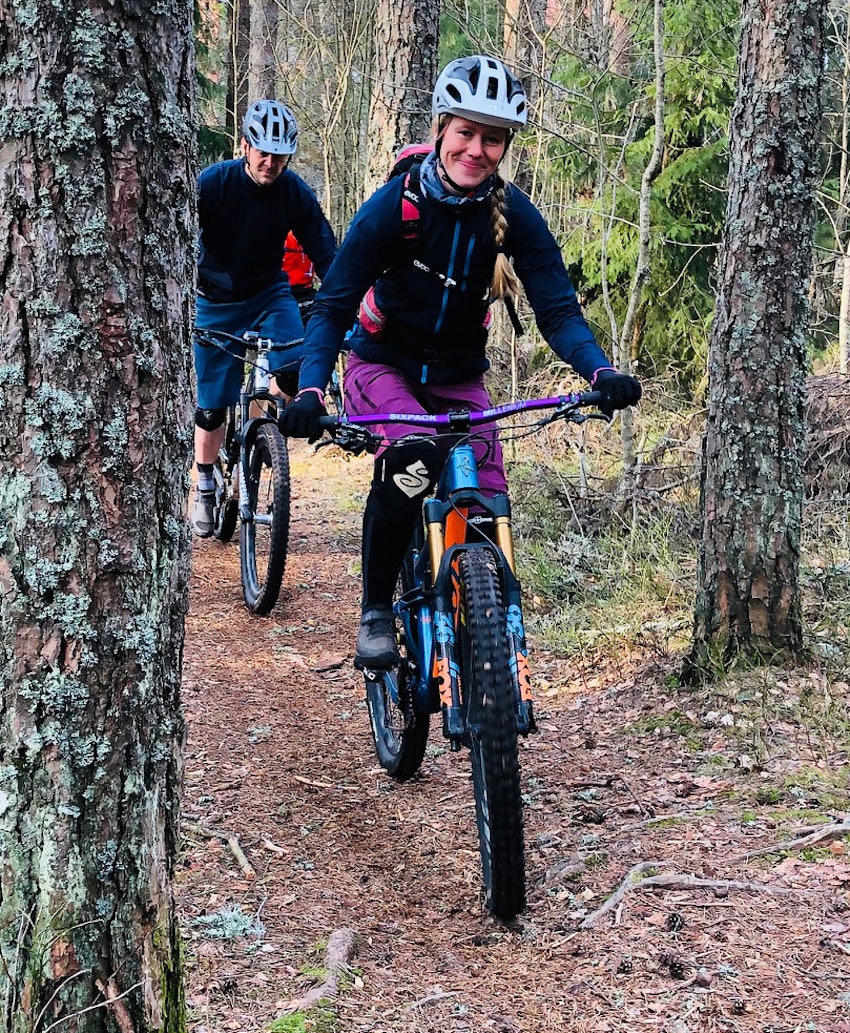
(371, 673)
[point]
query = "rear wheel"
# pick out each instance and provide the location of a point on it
(488, 698)
(399, 732)
(265, 536)
(226, 507)
(399, 729)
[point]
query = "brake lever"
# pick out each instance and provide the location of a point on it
(355, 440)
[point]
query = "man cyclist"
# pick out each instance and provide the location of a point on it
(246, 208)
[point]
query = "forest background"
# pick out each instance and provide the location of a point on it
(610, 85)
(591, 77)
(666, 144)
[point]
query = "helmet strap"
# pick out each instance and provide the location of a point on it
(444, 174)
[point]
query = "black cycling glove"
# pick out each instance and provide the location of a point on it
(300, 419)
(617, 389)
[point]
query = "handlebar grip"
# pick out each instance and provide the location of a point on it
(328, 422)
(591, 397)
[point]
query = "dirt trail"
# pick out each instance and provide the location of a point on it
(624, 771)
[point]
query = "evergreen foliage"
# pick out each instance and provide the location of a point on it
(474, 27)
(606, 114)
(214, 142)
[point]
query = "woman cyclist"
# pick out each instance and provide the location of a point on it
(419, 342)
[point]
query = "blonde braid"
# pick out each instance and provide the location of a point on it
(504, 283)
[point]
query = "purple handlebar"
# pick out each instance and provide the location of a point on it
(471, 418)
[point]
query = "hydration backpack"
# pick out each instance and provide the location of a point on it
(406, 164)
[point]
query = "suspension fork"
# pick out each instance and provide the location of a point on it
(515, 629)
(444, 668)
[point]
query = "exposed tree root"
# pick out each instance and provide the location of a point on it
(674, 881)
(341, 947)
(822, 835)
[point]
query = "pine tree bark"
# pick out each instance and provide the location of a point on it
(96, 261)
(524, 30)
(239, 61)
(407, 35)
(748, 598)
(262, 69)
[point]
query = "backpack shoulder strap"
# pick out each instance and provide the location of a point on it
(411, 202)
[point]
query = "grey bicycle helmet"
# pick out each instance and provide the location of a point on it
(481, 89)
(270, 126)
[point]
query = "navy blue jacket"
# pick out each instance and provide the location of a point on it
(434, 329)
(243, 226)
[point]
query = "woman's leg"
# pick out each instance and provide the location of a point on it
(403, 475)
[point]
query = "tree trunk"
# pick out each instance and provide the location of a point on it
(262, 70)
(96, 259)
(239, 61)
(748, 592)
(407, 35)
(524, 31)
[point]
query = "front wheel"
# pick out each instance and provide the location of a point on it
(487, 693)
(265, 536)
(226, 507)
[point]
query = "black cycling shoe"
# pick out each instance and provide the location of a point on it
(376, 647)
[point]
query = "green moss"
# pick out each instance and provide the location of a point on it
(295, 1023)
(665, 823)
(315, 972)
(673, 722)
(806, 815)
(768, 794)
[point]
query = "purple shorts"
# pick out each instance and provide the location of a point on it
(373, 388)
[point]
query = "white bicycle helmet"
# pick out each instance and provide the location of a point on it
(481, 89)
(271, 127)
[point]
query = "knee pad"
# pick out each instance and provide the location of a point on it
(405, 473)
(209, 419)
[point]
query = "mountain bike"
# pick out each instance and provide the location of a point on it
(252, 485)
(461, 634)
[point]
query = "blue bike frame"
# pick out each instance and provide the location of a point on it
(427, 612)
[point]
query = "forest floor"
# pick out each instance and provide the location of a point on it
(306, 872)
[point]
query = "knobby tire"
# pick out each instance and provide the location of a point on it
(399, 731)
(265, 538)
(488, 698)
(226, 508)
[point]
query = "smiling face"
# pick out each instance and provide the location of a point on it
(470, 152)
(262, 167)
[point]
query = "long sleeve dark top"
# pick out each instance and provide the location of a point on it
(434, 330)
(243, 227)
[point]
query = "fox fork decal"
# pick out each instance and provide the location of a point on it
(445, 670)
(519, 652)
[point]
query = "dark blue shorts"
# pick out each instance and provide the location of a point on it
(272, 313)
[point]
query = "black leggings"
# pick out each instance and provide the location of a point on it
(403, 475)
